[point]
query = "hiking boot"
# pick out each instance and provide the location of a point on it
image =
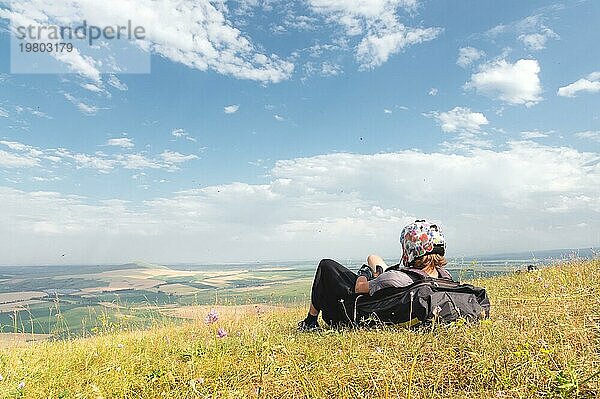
(305, 326)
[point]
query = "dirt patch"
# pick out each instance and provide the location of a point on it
(18, 306)
(21, 296)
(124, 283)
(176, 289)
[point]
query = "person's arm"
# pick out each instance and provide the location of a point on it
(384, 280)
(361, 286)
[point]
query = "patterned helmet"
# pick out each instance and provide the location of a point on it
(421, 238)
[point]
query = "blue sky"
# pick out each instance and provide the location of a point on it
(299, 130)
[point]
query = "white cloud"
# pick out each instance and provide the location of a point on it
(387, 111)
(137, 162)
(330, 69)
(3, 113)
(176, 157)
(279, 117)
(83, 107)
(537, 41)
(123, 142)
(593, 135)
(32, 111)
(377, 21)
(87, 109)
(182, 133)
(11, 160)
(92, 87)
(531, 31)
(85, 161)
(325, 69)
(116, 83)
(45, 179)
(377, 47)
(23, 155)
(460, 119)
(433, 92)
(231, 109)
(533, 134)
(516, 83)
(195, 33)
(589, 84)
(468, 55)
(335, 205)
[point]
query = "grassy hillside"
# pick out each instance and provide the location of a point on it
(543, 340)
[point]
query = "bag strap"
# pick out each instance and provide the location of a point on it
(414, 274)
(418, 274)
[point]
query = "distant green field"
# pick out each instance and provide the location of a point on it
(50, 283)
(71, 309)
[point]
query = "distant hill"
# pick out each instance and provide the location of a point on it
(565, 253)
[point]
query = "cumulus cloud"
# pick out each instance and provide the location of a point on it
(589, 84)
(3, 113)
(468, 55)
(194, 33)
(278, 117)
(433, 91)
(526, 196)
(460, 119)
(231, 109)
(516, 83)
(123, 142)
(377, 23)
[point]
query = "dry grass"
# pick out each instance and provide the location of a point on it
(543, 340)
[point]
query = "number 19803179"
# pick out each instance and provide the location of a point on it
(46, 47)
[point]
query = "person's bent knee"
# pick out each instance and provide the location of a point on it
(326, 263)
(373, 260)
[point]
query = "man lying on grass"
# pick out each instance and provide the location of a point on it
(335, 287)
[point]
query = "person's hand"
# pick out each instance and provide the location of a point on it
(366, 271)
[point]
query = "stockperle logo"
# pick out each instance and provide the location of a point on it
(56, 48)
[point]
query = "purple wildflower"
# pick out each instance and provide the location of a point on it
(221, 333)
(21, 385)
(211, 317)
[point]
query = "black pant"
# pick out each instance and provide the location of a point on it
(333, 292)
